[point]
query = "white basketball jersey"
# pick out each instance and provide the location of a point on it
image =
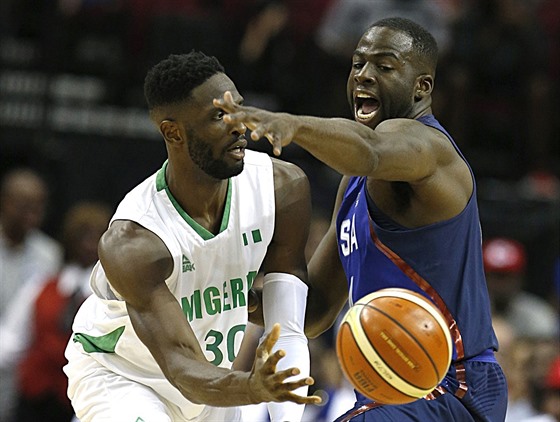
(211, 275)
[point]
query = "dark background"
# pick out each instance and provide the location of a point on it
(72, 107)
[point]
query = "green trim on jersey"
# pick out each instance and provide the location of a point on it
(161, 184)
(102, 344)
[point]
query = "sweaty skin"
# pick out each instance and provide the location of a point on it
(414, 173)
(137, 262)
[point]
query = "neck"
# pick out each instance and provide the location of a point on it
(422, 110)
(199, 195)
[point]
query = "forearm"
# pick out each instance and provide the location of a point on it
(320, 316)
(284, 301)
(177, 352)
(214, 386)
(344, 145)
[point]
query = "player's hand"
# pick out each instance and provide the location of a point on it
(266, 384)
(278, 128)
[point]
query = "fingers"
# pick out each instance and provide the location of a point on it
(240, 117)
(265, 347)
(278, 386)
(304, 399)
(238, 114)
(260, 132)
(229, 98)
(288, 393)
(276, 145)
(226, 103)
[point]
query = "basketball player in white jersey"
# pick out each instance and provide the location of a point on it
(157, 339)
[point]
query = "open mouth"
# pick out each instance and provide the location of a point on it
(238, 148)
(365, 106)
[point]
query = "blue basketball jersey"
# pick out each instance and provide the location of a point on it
(442, 261)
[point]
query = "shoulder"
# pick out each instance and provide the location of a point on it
(417, 132)
(286, 173)
(290, 181)
(292, 192)
(399, 124)
(126, 245)
(135, 260)
(411, 127)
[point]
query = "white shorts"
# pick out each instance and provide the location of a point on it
(100, 395)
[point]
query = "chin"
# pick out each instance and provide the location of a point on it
(230, 171)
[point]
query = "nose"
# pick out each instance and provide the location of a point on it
(365, 75)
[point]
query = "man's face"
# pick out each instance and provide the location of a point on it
(215, 147)
(23, 205)
(211, 158)
(382, 81)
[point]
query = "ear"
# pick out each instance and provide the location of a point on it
(170, 131)
(424, 87)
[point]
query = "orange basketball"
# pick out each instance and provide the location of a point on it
(394, 346)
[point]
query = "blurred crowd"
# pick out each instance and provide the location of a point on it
(74, 138)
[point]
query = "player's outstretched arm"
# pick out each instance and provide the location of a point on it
(325, 138)
(398, 149)
(137, 263)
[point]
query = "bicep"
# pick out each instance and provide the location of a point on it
(135, 260)
(137, 263)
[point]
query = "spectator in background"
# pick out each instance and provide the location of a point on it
(514, 356)
(532, 377)
(549, 400)
(505, 265)
(38, 325)
(346, 21)
(25, 251)
(273, 44)
(501, 89)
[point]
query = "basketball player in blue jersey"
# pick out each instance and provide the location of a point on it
(157, 340)
(405, 216)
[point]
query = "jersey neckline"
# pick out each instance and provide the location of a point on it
(161, 184)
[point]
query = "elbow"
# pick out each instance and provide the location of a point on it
(366, 166)
(313, 332)
(315, 326)
(373, 163)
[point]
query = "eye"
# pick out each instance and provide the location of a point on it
(384, 68)
(219, 115)
(357, 65)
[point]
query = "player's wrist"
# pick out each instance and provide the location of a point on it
(252, 389)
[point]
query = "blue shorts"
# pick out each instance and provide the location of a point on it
(484, 401)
